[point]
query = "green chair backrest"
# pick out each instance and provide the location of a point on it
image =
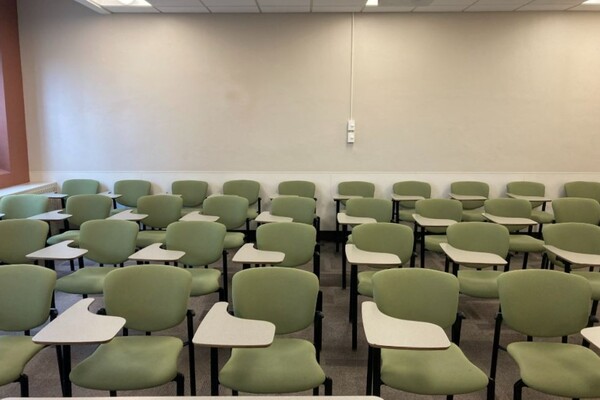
(380, 209)
(588, 190)
(440, 209)
(385, 237)
(297, 188)
(411, 188)
(286, 297)
(231, 210)
(417, 294)
(201, 241)
(296, 240)
(25, 296)
(527, 188)
(150, 297)
(80, 186)
(544, 303)
(517, 208)
(356, 188)
(474, 188)
(131, 190)
(87, 207)
(243, 188)
(19, 237)
(16, 206)
(192, 192)
(576, 209)
(162, 209)
(108, 241)
(479, 236)
(301, 209)
(577, 237)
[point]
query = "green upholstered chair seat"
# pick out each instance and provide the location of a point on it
(121, 209)
(288, 365)
(149, 361)
(68, 235)
(432, 372)
(187, 210)
(349, 239)
(252, 213)
(473, 215)
(365, 283)
(542, 217)
(481, 284)
(233, 240)
(560, 369)
(525, 244)
(146, 238)
(405, 214)
(18, 350)
(593, 278)
(432, 242)
(88, 280)
(204, 280)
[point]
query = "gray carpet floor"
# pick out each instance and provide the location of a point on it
(347, 368)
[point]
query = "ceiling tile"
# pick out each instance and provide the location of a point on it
(545, 7)
(452, 2)
(337, 9)
(235, 10)
(493, 7)
(192, 10)
(131, 9)
(586, 7)
(285, 9)
(388, 9)
(454, 8)
(339, 3)
(176, 3)
(284, 3)
(229, 3)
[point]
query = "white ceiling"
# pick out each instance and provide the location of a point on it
(318, 6)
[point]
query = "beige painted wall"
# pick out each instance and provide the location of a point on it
(438, 97)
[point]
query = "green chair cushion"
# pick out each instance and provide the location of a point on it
(121, 209)
(432, 242)
(525, 244)
(233, 240)
(473, 216)
(15, 352)
(204, 280)
(252, 213)
(481, 284)
(431, 372)
(559, 369)
(349, 239)
(146, 238)
(187, 210)
(61, 237)
(405, 214)
(288, 365)
(593, 278)
(88, 280)
(542, 217)
(365, 283)
(129, 363)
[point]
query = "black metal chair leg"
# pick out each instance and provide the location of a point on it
(518, 389)
(180, 382)
(24, 384)
(328, 386)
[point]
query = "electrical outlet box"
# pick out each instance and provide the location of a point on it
(350, 131)
(351, 125)
(350, 137)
